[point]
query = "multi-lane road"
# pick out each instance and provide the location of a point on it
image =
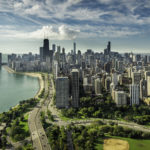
(38, 135)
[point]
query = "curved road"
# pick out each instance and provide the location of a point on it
(38, 135)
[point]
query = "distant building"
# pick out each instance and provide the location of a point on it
(114, 79)
(143, 88)
(148, 85)
(147, 73)
(107, 83)
(98, 87)
(120, 98)
(0, 58)
(134, 94)
(45, 49)
(53, 47)
(109, 47)
(107, 67)
(107, 51)
(75, 87)
(62, 92)
(74, 53)
(136, 77)
(41, 53)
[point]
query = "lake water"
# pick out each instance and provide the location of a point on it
(14, 88)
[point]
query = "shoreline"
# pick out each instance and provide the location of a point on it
(31, 74)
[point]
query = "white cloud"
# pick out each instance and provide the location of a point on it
(61, 33)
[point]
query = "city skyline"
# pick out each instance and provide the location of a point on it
(91, 24)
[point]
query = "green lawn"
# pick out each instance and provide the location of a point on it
(134, 144)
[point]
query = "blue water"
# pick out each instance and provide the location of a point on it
(14, 88)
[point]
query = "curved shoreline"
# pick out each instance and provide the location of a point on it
(31, 74)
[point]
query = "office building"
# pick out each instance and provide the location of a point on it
(75, 87)
(41, 53)
(53, 47)
(134, 94)
(114, 79)
(107, 83)
(0, 58)
(120, 98)
(143, 88)
(136, 77)
(98, 88)
(148, 85)
(62, 92)
(109, 47)
(45, 49)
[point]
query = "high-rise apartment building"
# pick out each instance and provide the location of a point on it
(134, 94)
(75, 87)
(98, 87)
(136, 77)
(148, 85)
(120, 98)
(143, 88)
(62, 92)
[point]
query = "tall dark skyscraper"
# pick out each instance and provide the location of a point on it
(109, 47)
(45, 49)
(75, 87)
(54, 47)
(74, 53)
(41, 53)
(74, 48)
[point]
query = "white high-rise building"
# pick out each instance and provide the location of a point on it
(148, 85)
(62, 92)
(120, 98)
(147, 73)
(134, 94)
(136, 77)
(114, 79)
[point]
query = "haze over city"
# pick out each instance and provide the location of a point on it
(24, 23)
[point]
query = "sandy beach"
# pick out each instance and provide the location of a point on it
(32, 74)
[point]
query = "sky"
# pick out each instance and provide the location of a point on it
(90, 23)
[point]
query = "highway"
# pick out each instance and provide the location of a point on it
(38, 135)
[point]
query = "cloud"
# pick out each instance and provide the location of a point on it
(67, 33)
(100, 18)
(109, 32)
(61, 33)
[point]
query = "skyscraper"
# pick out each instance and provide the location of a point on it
(143, 88)
(109, 47)
(62, 92)
(120, 98)
(41, 53)
(45, 49)
(74, 48)
(74, 53)
(0, 58)
(136, 77)
(54, 47)
(98, 86)
(75, 87)
(148, 85)
(134, 94)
